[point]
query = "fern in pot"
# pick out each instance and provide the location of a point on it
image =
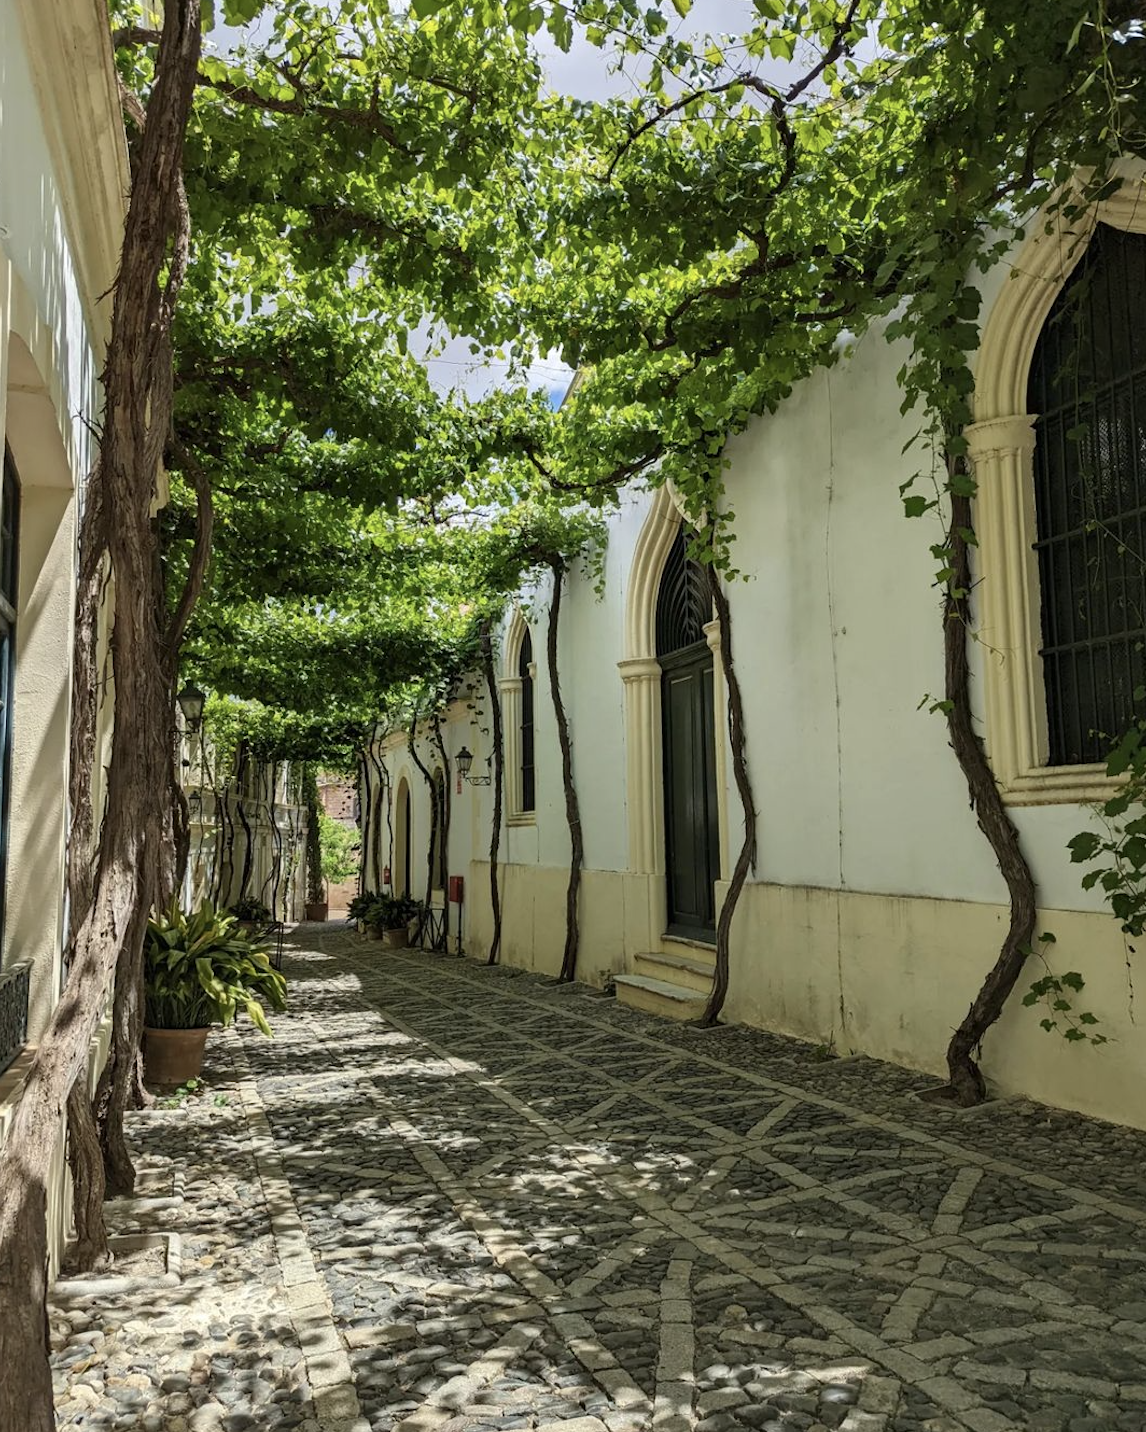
(200, 969)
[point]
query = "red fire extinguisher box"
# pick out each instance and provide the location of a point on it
(457, 889)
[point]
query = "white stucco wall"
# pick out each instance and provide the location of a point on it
(48, 398)
(63, 182)
(876, 906)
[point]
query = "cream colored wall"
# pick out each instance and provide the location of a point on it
(876, 906)
(51, 331)
(63, 182)
(533, 918)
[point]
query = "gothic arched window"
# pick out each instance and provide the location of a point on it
(525, 673)
(1087, 389)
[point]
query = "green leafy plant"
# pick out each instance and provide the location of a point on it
(193, 1089)
(338, 847)
(201, 969)
(250, 908)
(385, 912)
(361, 906)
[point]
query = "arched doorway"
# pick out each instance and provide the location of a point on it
(692, 819)
(400, 883)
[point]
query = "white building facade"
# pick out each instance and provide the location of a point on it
(876, 907)
(63, 188)
(248, 825)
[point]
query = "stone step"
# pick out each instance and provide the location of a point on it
(692, 971)
(670, 1001)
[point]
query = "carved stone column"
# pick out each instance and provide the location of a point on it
(642, 680)
(509, 691)
(1001, 452)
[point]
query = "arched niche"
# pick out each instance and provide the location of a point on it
(401, 859)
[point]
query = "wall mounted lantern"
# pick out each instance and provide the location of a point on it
(191, 702)
(465, 760)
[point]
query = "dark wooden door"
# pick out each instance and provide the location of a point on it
(405, 890)
(692, 831)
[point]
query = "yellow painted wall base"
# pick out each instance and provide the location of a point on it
(882, 975)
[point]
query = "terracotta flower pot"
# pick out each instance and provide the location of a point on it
(372, 932)
(396, 939)
(317, 910)
(172, 1056)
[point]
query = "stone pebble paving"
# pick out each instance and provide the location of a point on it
(452, 1199)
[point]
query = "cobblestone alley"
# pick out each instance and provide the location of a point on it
(446, 1197)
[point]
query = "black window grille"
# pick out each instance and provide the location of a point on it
(1088, 389)
(9, 597)
(525, 671)
(683, 602)
(14, 985)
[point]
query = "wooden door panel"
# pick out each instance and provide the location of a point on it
(691, 839)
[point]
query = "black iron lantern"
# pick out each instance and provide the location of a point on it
(191, 702)
(465, 760)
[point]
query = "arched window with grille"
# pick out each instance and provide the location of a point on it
(525, 675)
(518, 708)
(1087, 389)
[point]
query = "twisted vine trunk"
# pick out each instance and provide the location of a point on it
(966, 1079)
(446, 810)
(241, 812)
(85, 1158)
(315, 890)
(380, 800)
(427, 776)
(498, 778)
(181, 834)
(227, 860)
(121, 1083)
(746, 859)
(365, 785)
(572, 804)
(138, 388)
(273, 882)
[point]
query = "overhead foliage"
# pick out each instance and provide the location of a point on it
(365, 180)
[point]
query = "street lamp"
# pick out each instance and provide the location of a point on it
(465, 760)
(191, 701)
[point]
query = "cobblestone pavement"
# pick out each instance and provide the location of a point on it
(447, 1198)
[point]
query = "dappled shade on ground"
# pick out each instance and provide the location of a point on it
(452, 1197)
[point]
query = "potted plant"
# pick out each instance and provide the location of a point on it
(360, 909)
(389, 919)
(250, 912)
(200, 969)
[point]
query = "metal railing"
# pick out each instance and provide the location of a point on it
(14, 986)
